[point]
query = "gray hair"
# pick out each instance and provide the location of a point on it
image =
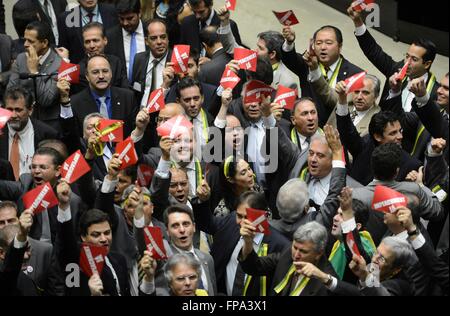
(274, 41)
(88, 117)
(126, 193)
(321, 139)
(376, 84)
(181, 258)
(312, 232)
(292, 200)
(402, 250)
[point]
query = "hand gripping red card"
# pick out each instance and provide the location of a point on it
(351, 243)
(387, 200)
(154, 241)
(74, 167)
(5, 115)
(360, 5)
(254, 91)
(229, 79)
(230, 4)
(312, 50)
(286, 97)
(180, 58)
(145, 175)
(156, 101)
(127, 153)
(110, 130)
(259, 220)
(355, 82)
(175, 127)
(92, 259)
(248, 59)
(403, 72)
(40, 198)
(287, 18)
(70, 72)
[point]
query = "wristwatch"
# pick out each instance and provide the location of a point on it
(414, 233)
(329, 281)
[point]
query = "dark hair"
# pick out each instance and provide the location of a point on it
(24, 13)
(379, 123)
(274, 41)
(128, 6)
(386, 160)
(178, 208)
(94, 25)
(195, 3)
(130, 172)
(195, 55)
(209, 36)
(17, 92)
(301, 100)
(44, 32)
(188, 82)
(338, 32)
(229, 196)
(6, 204)
(50, 143)
(57, 158)
(92, 217)
(361, 212)
(264, 71)
(429, 46)
(254, 200)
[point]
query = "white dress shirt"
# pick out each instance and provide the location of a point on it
(148, 79)
(52, 16)
(26, 146)
(85, 18)
(140, 43)
(359, 117)
(256, 137)
(200, 138)
(319, 188)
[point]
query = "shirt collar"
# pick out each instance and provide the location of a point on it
(185, 251)
(26, 129)
(403, 235)
(191, 165)
(85, 12)
(334, 66)
(139, 30)
(44, 57)
(208, 22)
(325, 179)
(107, 94)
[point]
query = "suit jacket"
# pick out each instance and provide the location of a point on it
(119, 75)
(212, 71)
(297, 65)
(283, 76)
(6, 170)
(123, 104)
(59, 6)
(361, 148)
(7, 55)
(429, 206)
(277, 265)
(2, 17)
(71, 37)
(226, 236)
(48, 107)
(41, 132)
(190, 31)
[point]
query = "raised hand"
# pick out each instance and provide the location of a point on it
(25, 223)
(204, 191)
(113, 167)
(355, 16)
(95, 285)
(288, 34)
(341, 90)
(32, 60)
(64, 193)
(166, 144)
(334, 141)
(64, 90)
(418, 87)
(438, 145)
(148, 265)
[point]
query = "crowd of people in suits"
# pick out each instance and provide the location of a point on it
(333, 150)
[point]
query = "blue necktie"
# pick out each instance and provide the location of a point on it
(133, 50)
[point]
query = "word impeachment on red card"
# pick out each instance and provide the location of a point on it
(40, 198)
(127, 153)
(286, 18)
(180, 58)
(259, 220)
(247, 59)
(387, 200)
(255, 90)
(355, 82)
(286, 97)
(155, 242)
(74, 167)
(92, 259)
(69, 72)
(156, 101)
(229, 79)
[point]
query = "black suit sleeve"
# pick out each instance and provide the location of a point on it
(259, 266)
(350, 137)
(431, 117)
(2, 18)
(11, 269)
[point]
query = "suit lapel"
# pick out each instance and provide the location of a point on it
(115, 105)
(4, 144)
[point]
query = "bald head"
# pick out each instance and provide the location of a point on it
(170, 110)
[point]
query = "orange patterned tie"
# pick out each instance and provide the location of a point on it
(14, 157)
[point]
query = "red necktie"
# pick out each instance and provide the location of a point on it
(14, 157)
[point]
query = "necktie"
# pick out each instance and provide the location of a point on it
(327, 70)
(294, 282)
(46, 235)
(47, 11)
(133, 50)
(353, 115)
(308, 142)
(239, 279)
(203, 25)
(154, 75)
(90, 16)
(103, 107)
(14, 156)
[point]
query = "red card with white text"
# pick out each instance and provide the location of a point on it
(156, 101)
(230, 4)
(92, 259)
(286, 97)
(5, 115)
(229, 79)
(387, 200)
(74, 167)
(287, 18)
(111, 130)
(127, 153)
(355, 82)
(155, 242)
(40, 198)
(360, 5)
(145, 175)
(180, 58)
(70, 72)
(175, 127)
(351, 243)
(254, 91)
(403, 72)
(259, 219)
(248, 59)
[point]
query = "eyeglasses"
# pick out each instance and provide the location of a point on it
(379, 258)
(185, 279)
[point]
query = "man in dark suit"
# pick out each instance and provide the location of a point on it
(211, 72)
(288, 268)
(40, 58)
(7, 56)
(22, 134)
(127, 40)
(332, 65)
(71, 23)
(204, 15)
(2, 18)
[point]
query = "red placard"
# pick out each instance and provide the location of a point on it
(229, 79)
(247, 59)
(351, 243)
(286, 18)
(5, 115)
(259, 220)
(230, 4)
(127, 153)
(156, 101)
(145, 175)
(387, 200)
(155, 242)
(403, 72)
(175, 127)
(180, 58)
(286, 97)
(254, 91)
(360, 5)
(70, 72)
(111, 130)
(355, 82)
(40, 198)
(74, 167)
(92, 259)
